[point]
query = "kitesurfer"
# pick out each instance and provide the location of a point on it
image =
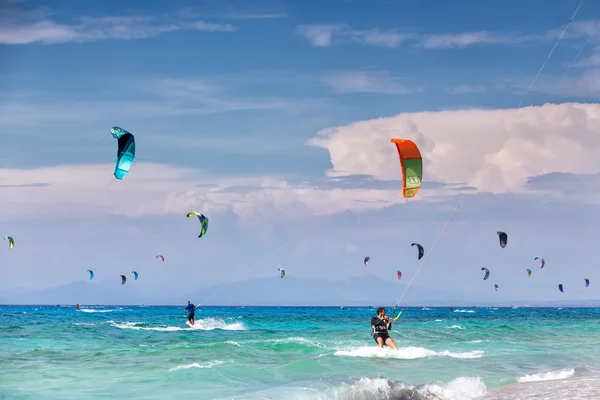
(190, 310)
(381, 324)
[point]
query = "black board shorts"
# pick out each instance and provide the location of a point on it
(190, 317)
(384, 336)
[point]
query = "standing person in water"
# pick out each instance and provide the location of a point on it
(381, 324)
(190, 310)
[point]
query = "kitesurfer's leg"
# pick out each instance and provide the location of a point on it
(379, 341)
(390, 342)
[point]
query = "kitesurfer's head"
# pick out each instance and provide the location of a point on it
(381, 311)
(188, 302)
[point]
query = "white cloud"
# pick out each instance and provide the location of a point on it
(322, 35)
(468, 39)
(465, 89)
(36, 27)
(364, 82)
(473, 146)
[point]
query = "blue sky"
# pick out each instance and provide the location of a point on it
(273, 118)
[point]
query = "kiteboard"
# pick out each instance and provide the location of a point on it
(189, 324)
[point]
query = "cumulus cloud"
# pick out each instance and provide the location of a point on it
(492, 150)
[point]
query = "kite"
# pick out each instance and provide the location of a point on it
(125, 151)
(11, 241)
(366, 260)
(421, 250)
(496, 287)
(135, 274)
(159, 256)
(399, 274)
(123, 279)
(91, 274)
(587, 282)
(528, 273)
(560, 287)
(503, 239)
(411, 164)
(203, 222)
(282, 272)
(542, 260)
(487, 273)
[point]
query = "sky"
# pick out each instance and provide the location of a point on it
(274, 119)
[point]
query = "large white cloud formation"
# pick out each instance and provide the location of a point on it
(492, 150)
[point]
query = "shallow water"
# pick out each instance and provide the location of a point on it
(133, 352)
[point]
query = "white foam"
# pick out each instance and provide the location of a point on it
(465, 311)
(206, 325)
(208, 364)
(88, 310)
(463, 388)
(455, 327)
(405, 353)
(296, 339)
(233, 343)
(547, 376)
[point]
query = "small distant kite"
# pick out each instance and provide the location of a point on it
(123, 279)
(560, 287)
(542, 260)
(399, 274)
(528, 273)
(411, 165)
(487, 273)
(282, 272)
(91, 274)
(503, 238)
(135, 274)
(125, 151)
(161, 257)
(366, 260)
(496, 287)
(421, 250)
(203, 222)
(11, 241)
(587, 282)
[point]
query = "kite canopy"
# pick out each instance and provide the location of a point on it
(91, 274)
(282, 272)
(399, 274)
(135, 274)
(411, 164)
(487, 273)
(542, 260)
(125, 151)
(421, 250)
(496, 287)
(503, 238)
(587, 282)
(203, 222)
(123, 279)
(161, 257)
(560, 287)
(528, 273)
(11, 241)
(366, 260)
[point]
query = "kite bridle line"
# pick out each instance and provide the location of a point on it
(505, 126)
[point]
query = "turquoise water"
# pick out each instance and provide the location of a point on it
(111, 352)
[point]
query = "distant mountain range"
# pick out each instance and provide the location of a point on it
(289, 291)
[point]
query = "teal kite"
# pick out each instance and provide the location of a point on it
(91, 274)
(11, 241)
(135, 274)
(125, 151)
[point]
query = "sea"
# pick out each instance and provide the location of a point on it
(148, 352)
